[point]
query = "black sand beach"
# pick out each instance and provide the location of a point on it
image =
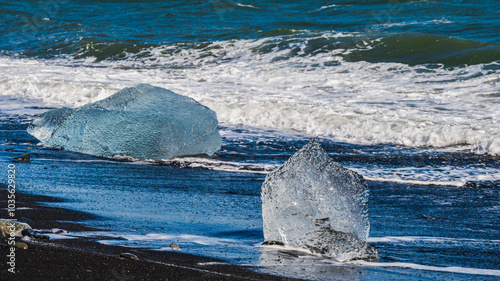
(79, 259)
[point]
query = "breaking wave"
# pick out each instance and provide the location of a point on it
(329, 84)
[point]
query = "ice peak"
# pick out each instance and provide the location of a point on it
(315, 203)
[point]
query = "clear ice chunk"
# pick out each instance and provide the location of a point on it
(312, 202)
(143, 122)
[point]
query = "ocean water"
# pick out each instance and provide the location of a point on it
(406, 93)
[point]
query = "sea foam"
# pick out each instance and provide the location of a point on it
(314, 91)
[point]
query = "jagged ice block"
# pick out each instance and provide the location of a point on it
(314, 203)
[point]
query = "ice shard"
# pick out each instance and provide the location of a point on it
(314, 203)
(144, 122)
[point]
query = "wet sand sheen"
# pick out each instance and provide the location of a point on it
(84, 259)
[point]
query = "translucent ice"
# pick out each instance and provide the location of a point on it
(314, 203)
(143, 122)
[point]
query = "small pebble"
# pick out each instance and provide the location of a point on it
(175, 246)
(129, 256)
(21, 245)
(26, 157)
(429, 217)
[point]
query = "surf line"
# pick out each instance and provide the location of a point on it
(450, 269)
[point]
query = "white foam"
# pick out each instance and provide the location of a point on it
(325, 7)
(180, 238)
(206, 163)
(54, 236)
(451, 269)
(443, 182)
(357, 102)
(218, 165)
(212, 263)
(428, 239)
(247, 6)
(75, 160)
(442, 175)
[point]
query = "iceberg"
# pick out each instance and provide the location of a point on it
(143, 122)
(312, 202)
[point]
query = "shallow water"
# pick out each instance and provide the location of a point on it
(215, 211)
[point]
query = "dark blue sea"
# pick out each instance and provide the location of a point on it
(406, 93)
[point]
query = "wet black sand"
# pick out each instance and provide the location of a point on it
(82, 259)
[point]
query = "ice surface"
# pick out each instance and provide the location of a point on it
(144, 122)
(314, 203)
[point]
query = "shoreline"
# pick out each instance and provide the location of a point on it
(84, 259)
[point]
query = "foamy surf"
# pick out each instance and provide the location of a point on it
(428, 239)
(352, 101)
(218, 165)
(181, 238)
(325, 7)
(438, 175)
(449, 269)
